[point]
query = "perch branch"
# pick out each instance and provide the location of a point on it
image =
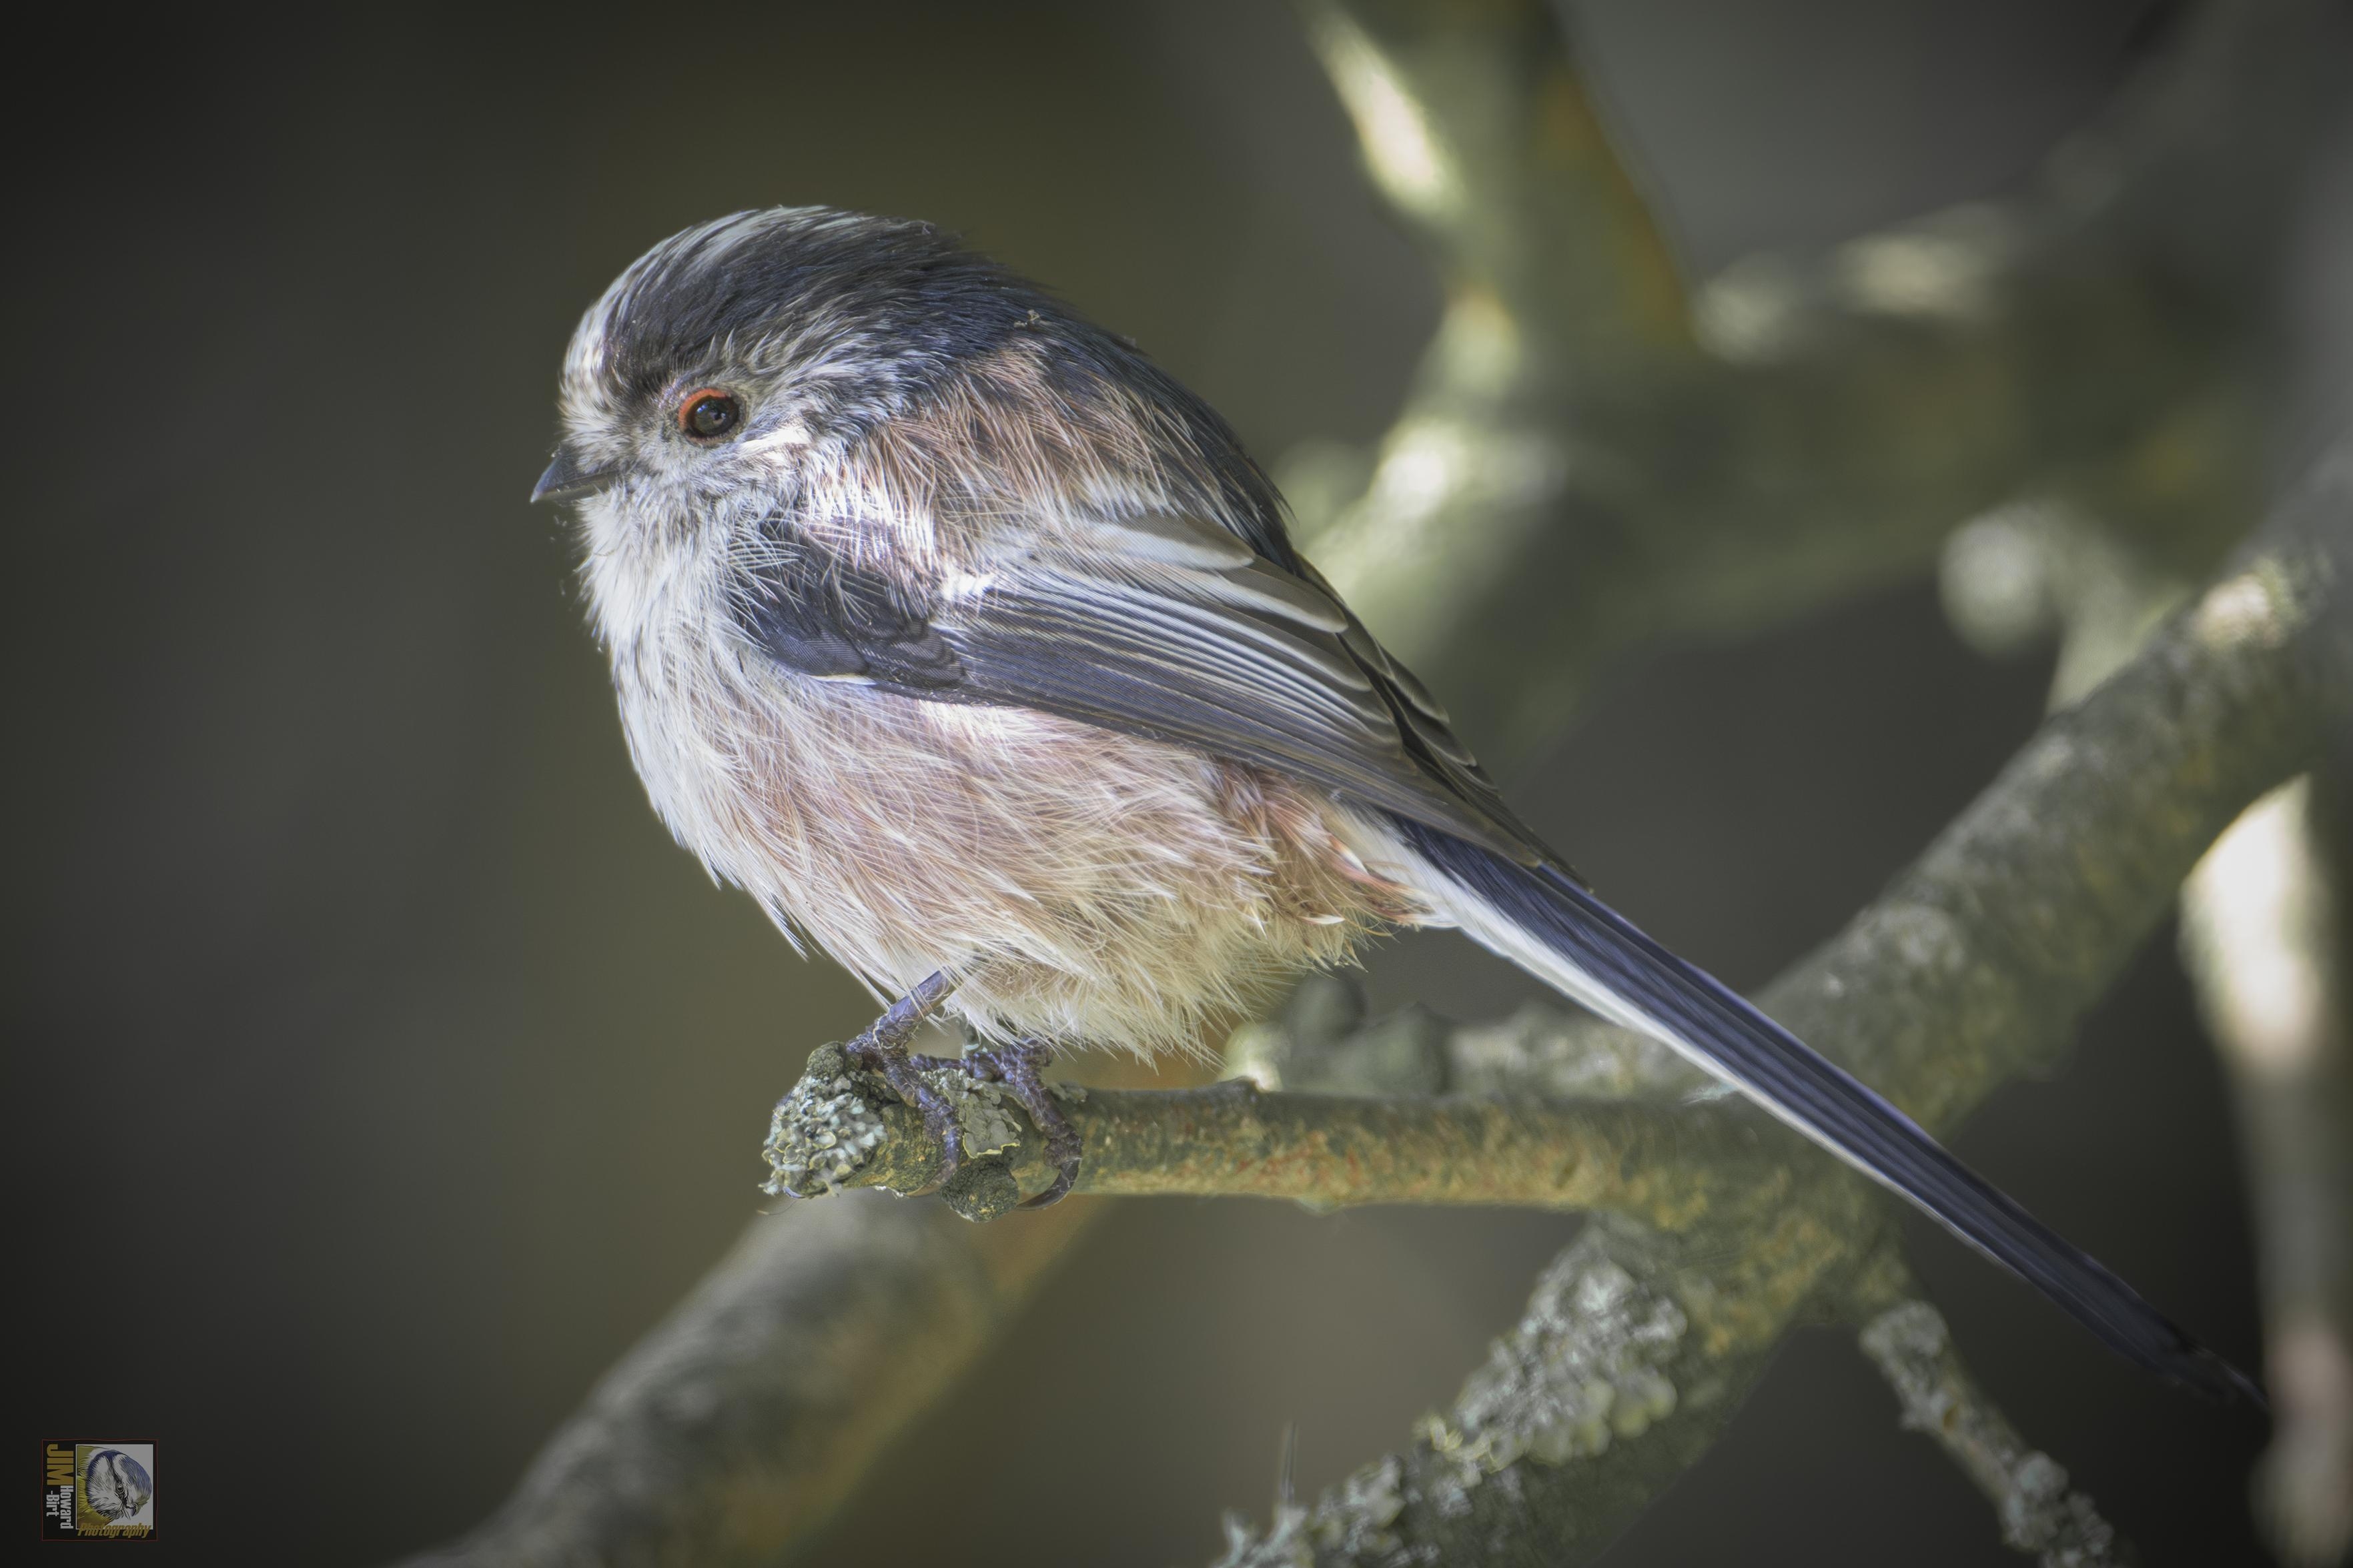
(1668, 1163)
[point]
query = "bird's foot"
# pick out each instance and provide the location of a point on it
(1019, 1066)
(881, 1049)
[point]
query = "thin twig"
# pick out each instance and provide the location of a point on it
(2040, 1513)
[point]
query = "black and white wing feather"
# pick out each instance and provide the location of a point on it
(1155, 625)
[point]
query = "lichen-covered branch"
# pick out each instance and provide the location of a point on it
(1971, 968)
(2267, 929)
(1669, 1164)
(2040, 1513)
(750, 1412)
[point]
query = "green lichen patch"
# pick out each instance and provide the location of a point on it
(984, 1112)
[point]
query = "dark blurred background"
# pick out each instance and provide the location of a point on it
(379, 1070)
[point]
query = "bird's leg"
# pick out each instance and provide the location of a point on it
(1018, 1066)
(883, 1050)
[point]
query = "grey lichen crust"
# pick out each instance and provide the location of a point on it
(827, 1130)
(821, 1133)
(1584, 1365)
(1351, 1524)
(828, 1127)
(1587, 1365)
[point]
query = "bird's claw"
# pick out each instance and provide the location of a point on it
(882, 1051)
(904, 1071)
(1019, 1068)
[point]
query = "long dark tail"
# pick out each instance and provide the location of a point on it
(1557, 930)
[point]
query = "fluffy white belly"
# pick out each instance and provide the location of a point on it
(1083, 885)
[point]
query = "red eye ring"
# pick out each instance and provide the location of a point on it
(712, 414)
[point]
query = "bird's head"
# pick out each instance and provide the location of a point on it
(730, 357)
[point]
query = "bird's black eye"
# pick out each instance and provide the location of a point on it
(710, 414)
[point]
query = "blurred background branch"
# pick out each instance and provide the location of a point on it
(2265, 932)
(1588, 463)
(763, 1398)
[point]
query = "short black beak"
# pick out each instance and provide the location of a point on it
(566, 478)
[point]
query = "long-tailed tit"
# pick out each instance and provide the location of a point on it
(972, 645)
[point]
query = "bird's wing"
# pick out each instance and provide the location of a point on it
(1158, 626)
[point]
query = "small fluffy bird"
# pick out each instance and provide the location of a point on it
(970, 643)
